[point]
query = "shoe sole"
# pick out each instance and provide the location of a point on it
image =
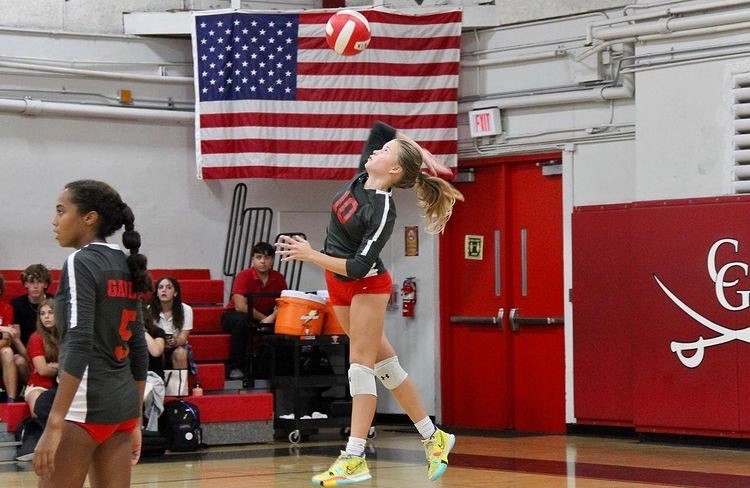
(342, 482)
(444, 466)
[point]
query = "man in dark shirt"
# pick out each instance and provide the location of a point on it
(36, 278)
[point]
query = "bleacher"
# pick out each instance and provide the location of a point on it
(229, 414)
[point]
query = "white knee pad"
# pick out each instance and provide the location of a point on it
(390, 372)
(362, 380)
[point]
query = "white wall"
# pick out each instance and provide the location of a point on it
(685, 130)
(603, 173)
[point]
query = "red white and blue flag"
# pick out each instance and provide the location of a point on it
(274, 101)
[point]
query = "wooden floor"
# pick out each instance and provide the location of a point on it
(396, 459)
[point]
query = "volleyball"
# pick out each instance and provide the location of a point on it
(348, 32)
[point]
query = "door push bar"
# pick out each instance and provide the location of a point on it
(496, 320)
(516, 321)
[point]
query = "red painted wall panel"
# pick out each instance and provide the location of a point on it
(673, 242)
(603, 317)
(686, 287)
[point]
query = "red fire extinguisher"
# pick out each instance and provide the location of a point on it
(408, 297)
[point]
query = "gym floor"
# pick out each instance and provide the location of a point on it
(396, 459)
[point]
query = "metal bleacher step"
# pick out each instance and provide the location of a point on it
(8, 444)
(235, 417)
(8, 450)
(239, 386)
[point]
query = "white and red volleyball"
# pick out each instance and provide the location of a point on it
(348, 32)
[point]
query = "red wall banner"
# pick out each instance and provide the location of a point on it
(661, 299)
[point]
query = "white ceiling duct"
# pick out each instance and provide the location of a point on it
(31, 106)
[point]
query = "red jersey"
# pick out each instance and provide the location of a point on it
(264, 299)
(6, 313)
(35, 348)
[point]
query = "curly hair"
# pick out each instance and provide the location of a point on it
(37, 272)
(435, 195)
(99, 197)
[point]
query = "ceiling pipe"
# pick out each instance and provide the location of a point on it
(670, 25)
(597, 94)
(185, 80)
(716, 29)
(30, 106)
(523, 58)
(665, 12)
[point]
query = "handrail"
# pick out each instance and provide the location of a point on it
(247, 226)
(235, 212)
(255, 227)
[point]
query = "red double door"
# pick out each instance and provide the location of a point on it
(501, 289)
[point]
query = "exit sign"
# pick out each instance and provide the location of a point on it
(485, 122)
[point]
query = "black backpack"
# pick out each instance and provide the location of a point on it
(153, 444)
(180, 424)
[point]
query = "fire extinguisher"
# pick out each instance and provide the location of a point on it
(408, 297)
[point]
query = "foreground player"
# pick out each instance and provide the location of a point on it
(94, 425)
(359, 286)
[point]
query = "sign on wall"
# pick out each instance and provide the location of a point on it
(474, 247)
(411, 241)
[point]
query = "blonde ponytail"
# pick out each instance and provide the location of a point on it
(437, 197)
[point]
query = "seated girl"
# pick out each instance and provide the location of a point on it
(43, 352)
(176, 320)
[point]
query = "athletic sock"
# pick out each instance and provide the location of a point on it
(425, 427)
(356, 446)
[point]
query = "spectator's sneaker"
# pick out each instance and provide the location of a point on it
(347, 469)
(236, 374)
(25, 457)
(437, 448)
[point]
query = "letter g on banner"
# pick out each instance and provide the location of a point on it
(717, 276)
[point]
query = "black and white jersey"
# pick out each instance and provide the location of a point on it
(362, 220)
(102, 338)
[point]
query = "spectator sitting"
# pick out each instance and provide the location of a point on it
(153, 401)
(176, 320)
(43, 352)
(6, 311)
(12, 350)
(9, 338)
(12, 360)
(264, 284)
(157, 344)
(36, 278)
(10, 376)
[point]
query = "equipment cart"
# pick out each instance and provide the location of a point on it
(318, 363)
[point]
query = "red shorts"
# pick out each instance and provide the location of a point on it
(101, 432)
(341, 292)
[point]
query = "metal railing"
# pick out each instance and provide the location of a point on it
(247, 225)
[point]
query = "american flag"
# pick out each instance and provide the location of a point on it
(274, 101)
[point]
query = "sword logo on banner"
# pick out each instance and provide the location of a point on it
(698, 347)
